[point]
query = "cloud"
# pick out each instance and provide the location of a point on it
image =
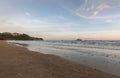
(6, 26)
(69, 35)
(61, 17)
(98, 9)
(27, 14)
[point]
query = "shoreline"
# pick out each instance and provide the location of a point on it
(18, 62)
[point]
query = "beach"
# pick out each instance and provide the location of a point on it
(18, 62)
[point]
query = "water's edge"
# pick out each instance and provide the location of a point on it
(107, 60)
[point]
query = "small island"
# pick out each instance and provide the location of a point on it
(78, 39)
(17, 36)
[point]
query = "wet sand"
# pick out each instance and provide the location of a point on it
(18, 62)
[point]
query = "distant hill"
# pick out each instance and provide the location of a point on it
(17, 36)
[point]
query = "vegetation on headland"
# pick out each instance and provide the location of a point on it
(17, 36)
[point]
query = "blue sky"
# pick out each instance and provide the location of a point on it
(62, 19)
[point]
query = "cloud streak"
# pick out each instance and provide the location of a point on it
(6, 26)
(27, 14)
(98, 8)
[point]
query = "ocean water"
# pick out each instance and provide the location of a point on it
(99, 54)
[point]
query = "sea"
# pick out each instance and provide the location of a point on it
(98, 54)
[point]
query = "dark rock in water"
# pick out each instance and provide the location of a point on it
(79, 40)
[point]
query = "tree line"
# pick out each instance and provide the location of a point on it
(11, 36)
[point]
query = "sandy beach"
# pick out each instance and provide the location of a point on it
(18, 62)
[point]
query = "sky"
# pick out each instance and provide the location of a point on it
(62, 19)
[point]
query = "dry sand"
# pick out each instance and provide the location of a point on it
(18, 62)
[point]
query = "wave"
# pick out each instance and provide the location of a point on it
(100, 54)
